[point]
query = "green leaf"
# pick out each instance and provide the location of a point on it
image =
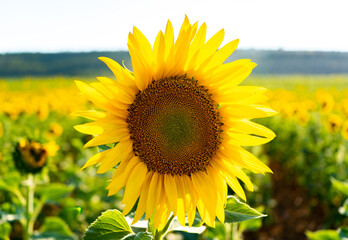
(49, 236)
(343, 233)
(252, 224)
(54, 228)
(344, 208)
(56, 225)
(5, 230)
(10, 181)
(176, 226)
(236, 211)
(110, 225)
(323, 235)
(341, 186)
(55, 191)
(139, 236)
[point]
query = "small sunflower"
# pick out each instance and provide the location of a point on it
(30, 156)
(344, 130)
(180, 121)
(334, 123)
(325, 100)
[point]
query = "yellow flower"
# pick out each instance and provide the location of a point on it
(30, 156)
(51, 148)
(303, 116)
(344, 106)
(325, 100)
(334, 123)
(179, 121)
(344, 129)
(55, 129)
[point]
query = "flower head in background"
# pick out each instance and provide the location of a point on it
(334, 123)
(30, 156)
(179, 121)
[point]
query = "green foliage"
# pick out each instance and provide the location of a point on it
(139, 236)
(55, 191)
(236, 211)
(323, 235)
(340, 186)
(343, 210)
(56, 228)
(5, 230)
(219, 232)
(343, 233)
(110, 225)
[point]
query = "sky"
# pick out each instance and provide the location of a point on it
(85, 25)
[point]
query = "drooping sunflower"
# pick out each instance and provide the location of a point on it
(180, 121)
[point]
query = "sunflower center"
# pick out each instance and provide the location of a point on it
(175, 126)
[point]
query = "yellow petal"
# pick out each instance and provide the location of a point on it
(248, 111)
(89, 128)
(246, 139)
(121, 74)
(232, 181)
(242, 158)
(195, 46)
(209, 48)
(91, 114)
(133, 186)
(180, 200)
(116, 135)
(190, 199)
(97, 158)
(248, 127)
(120, 181)
(143, 45)
(169, 42)
(143, 198)
(119, 153)
(171, 192)
(221, 193)
(206, 203)
(142, 72)
(222, 54)
(152, 196)
(158, 52)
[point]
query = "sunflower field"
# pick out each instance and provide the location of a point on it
(43, 193)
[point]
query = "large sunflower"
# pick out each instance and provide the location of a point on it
(179, 121)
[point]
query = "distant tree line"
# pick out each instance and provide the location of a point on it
(87, 63)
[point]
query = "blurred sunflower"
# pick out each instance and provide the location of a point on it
(31, 156)
(55, 130)
(344, 130)
(344, 106)
(179, 121)
(334, 123)
(325, 100)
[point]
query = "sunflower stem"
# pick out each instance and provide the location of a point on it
(30, 207)
(158, 235)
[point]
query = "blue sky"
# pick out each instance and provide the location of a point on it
(84, 25)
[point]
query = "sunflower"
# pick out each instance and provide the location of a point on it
(334, 123)
(30, 156)
(344, 130)
(179, 121)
